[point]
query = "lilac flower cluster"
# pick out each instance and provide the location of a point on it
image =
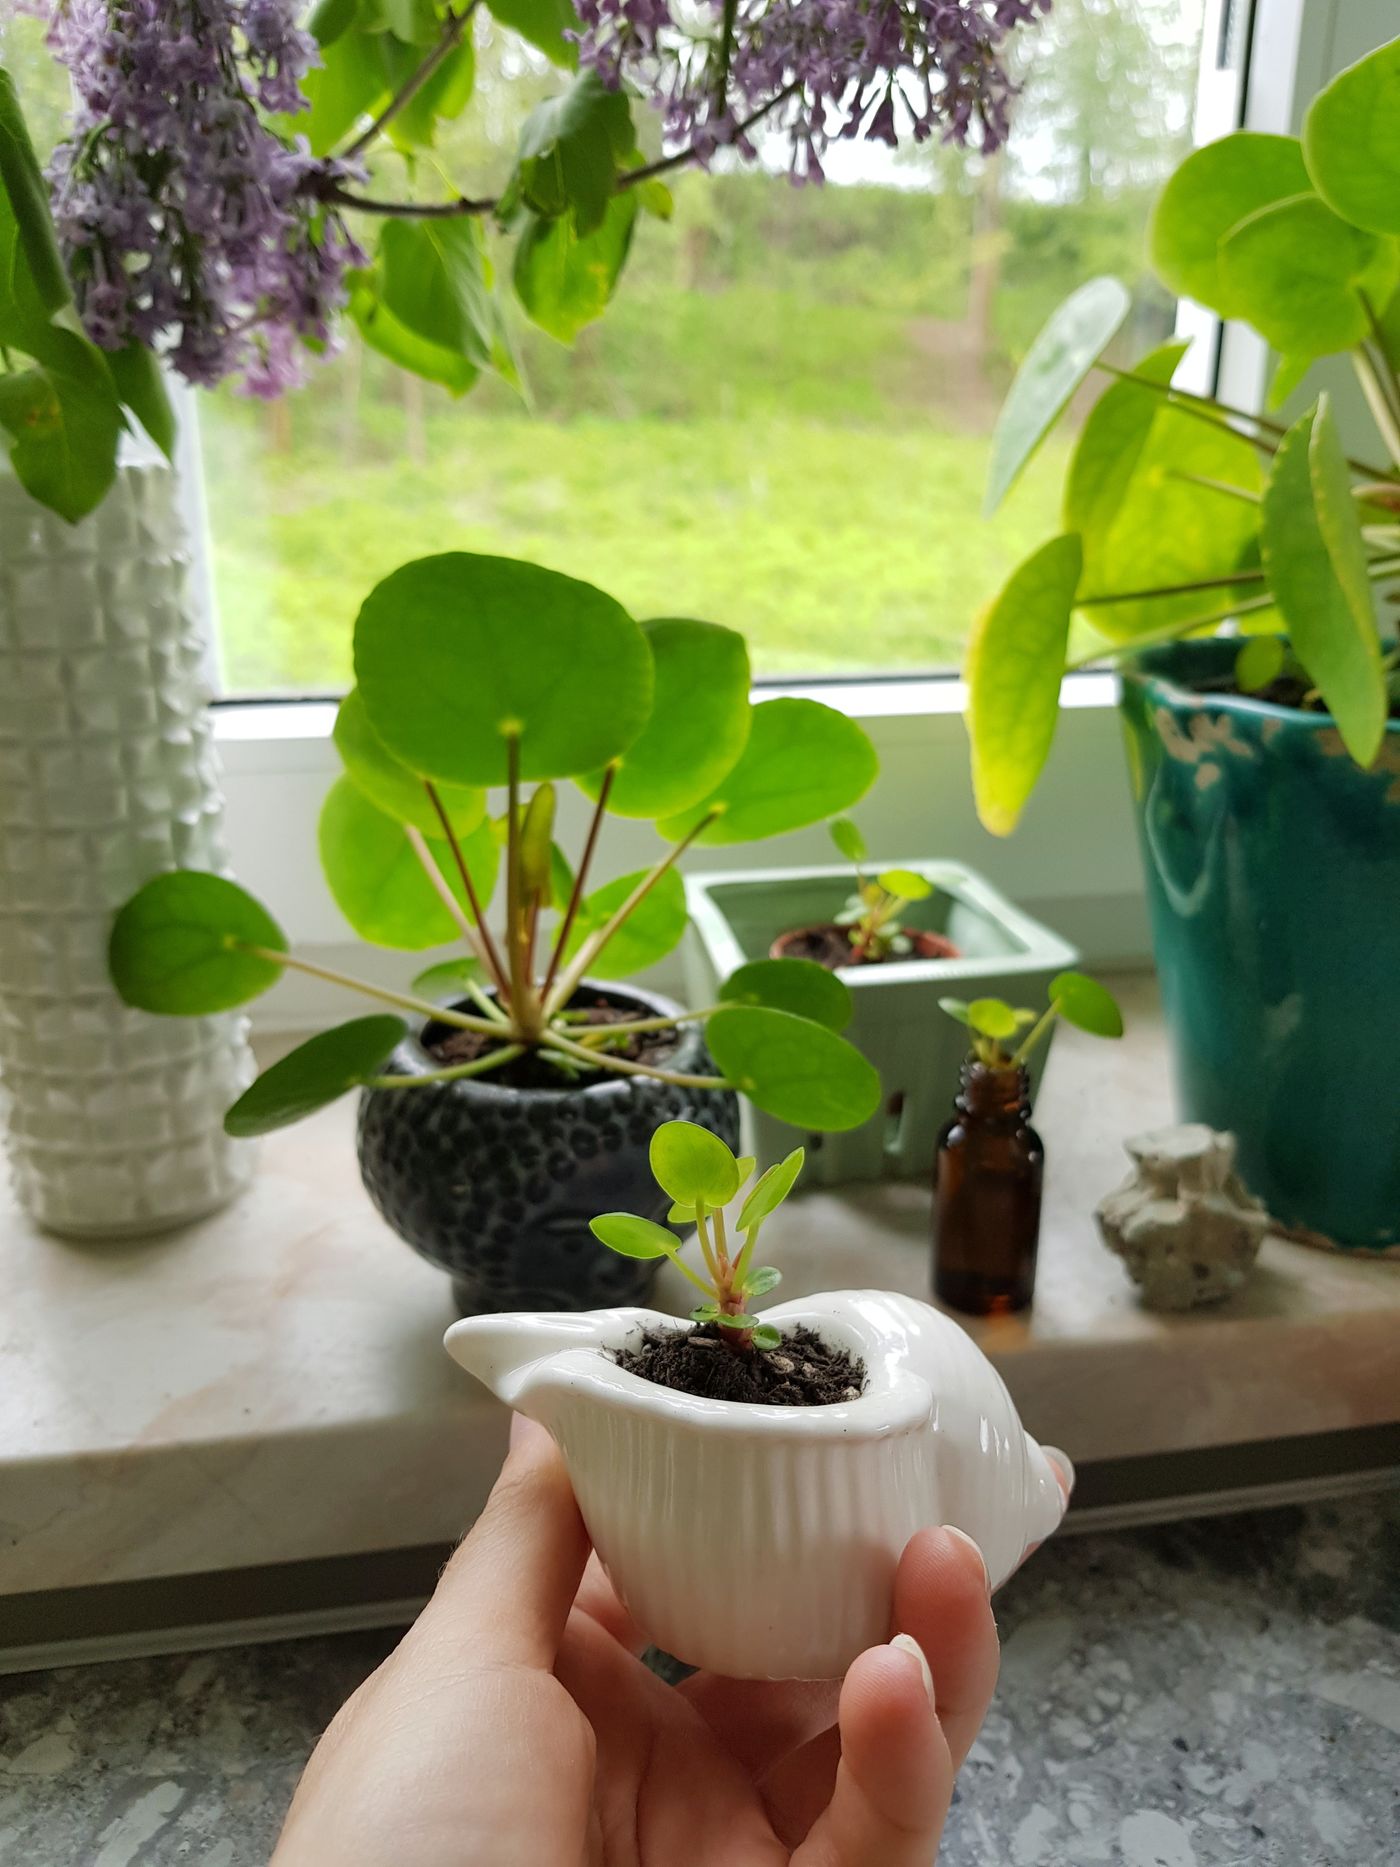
(817, 69)
(188, 224)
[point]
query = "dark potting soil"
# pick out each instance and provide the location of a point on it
(531, 1071)
(803, 1371)
(1286, 691)
(830, 946)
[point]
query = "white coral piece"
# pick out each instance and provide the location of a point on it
(1183, 1221)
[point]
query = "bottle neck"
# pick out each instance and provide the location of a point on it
(993, 1094)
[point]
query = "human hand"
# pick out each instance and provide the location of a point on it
(515, 1725)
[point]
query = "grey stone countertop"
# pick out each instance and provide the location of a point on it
(1196, 1695)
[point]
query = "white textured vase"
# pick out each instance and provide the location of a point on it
(761, 1541)
(108, 775)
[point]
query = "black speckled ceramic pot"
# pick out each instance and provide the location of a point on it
(496, 1185)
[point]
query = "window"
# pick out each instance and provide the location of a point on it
(782, 422)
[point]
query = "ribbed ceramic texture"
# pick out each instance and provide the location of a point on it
(761, 1542)
(113, 1118)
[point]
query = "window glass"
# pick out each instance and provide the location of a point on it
(782, 421)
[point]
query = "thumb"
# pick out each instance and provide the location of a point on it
(895, 1779)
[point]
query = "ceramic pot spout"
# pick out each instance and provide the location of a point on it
(516, 1355)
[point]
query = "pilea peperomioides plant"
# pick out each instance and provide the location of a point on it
(996, 1028)
(480, 672)
(701, 1176)
(871, 916)
(1182, 513)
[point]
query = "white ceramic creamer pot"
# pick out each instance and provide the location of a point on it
(761, 1541)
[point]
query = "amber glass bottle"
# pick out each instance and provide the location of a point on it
(986, 1196)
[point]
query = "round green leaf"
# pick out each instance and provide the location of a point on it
(392, 787)
(1213, 190)
(1015, 660)
(680, 1214)
(794, 1069)
(906, 884)
(1056, 363)
(1351, 139)
(377, 880)
(797, 985)
(765, 1335)
(1087, 1004)
(803, 761)
(771, 1190)
(1298, 273)
(315, 1073)
(455, 655)
(848, 840)
(705, 1312)
(1317, 574)
(1258, 662)
(740, 1321)
(650, 932)
(1165, 529)
(699, 721)
(761, 1280)
(448, 979)
(180, 946)
(992, 1018)
(632, 1237)
(693, 1165)
(1111, 442)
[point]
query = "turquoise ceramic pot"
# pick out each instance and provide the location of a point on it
(1273, 883)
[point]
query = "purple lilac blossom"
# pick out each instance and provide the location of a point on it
(838, 68)
(188, 224)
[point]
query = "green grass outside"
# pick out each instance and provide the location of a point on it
(779, 425)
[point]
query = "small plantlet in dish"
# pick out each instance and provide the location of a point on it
(763, 1364)
(996, 1026)
(869, 929)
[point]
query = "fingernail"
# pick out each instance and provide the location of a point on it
(906, 1643)
(1065, 1463)
(951, 1529)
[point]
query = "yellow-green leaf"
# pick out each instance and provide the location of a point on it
(1015, 659)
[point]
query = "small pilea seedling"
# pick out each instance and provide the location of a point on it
(702, 1176)
(995, 1025)
(871, 916)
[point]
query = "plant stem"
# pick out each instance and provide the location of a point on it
(1198, 405)
(419, 845)
(567, 983)
(1214, 486)
(1033, 1037)
(1384, 362)
(630, 177)
(600, 1060)
(1170, 589)
(515, 906)
(685, 1271)
(478, 1067)
(405, 1001)
(706, 1249)
(1377, 399)
(598, 1033)
(491, 957)
(746, 1255)
(1169, 632)
(453, 27)
(580, 876)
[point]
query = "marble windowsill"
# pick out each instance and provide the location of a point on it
(268, 1386)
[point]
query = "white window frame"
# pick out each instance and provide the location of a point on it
(1074, 860)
